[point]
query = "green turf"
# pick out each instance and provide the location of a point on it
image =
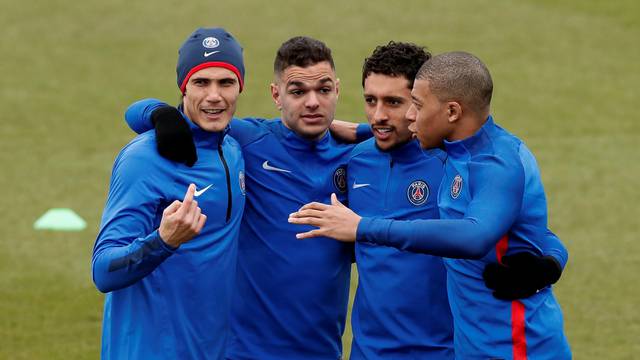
(566, 75)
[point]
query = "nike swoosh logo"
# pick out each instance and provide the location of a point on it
(266, 166)
(207, 54)
(357, 186)
(201, 191)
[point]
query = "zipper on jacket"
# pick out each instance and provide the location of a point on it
(386, 184)
(226, 171)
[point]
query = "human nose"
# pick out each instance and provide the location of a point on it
(411, 114)
(379, 114)
(213, 94)
(312, 100)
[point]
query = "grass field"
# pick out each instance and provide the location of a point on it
(566, 76)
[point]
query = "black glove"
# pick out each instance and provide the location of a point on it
(173, 135)
(521, 275)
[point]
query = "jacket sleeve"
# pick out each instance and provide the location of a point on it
(363, 132)
(552, 246)
(138, 114)
(128, 247)
(496, 197)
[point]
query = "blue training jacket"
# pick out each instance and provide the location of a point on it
(401, 309)
(491, 203)
(165, 303)
(291, 296)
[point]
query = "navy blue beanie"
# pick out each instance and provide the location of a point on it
(209, 47)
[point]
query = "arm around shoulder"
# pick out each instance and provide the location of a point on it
(138, 114)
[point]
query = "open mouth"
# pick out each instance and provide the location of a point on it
(213, 111)
(382, 132)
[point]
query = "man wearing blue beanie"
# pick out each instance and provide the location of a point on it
(167, 266)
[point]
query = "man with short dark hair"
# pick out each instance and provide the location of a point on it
(492, 204)
(169, 275)
(401, 309)
(291, 297)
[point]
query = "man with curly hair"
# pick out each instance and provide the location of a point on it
(401, 310)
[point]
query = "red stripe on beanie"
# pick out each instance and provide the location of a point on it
(221, 64)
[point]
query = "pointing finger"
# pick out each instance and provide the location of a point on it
(188, 198)
(190, 191)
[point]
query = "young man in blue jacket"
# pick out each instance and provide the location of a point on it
(401, 309)
(492, 204)
(168, 266)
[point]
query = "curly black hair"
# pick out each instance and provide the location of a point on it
(396, 59)
(301, 51)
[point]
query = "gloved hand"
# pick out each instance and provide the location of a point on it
(173, 136)
(521, 275)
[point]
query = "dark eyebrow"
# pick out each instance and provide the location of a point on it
(326, 80)
(295, 83)
(415, 99)
(393, 98)
(301, 84)
(204, 78)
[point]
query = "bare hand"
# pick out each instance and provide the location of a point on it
(335, 221)
(181, 221)
(344, 131)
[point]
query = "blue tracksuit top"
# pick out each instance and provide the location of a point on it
(165, 303)
(491, 203)
(291, 296)
(401, 309)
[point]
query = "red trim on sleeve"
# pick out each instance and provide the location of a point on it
(221, 64)
(501, 248)
(518, 334)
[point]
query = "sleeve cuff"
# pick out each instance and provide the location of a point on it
(373, 230)
(161, 244)
(363, 132)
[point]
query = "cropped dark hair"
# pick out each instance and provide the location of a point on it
(396, 59)
(301, 51)
(459, 76)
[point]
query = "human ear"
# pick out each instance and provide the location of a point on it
(454, 111)
(275, 95)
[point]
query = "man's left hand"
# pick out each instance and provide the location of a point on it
(335, 221)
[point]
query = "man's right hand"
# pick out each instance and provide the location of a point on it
(173, 135)
(181, 221)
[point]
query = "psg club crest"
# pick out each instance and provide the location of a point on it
(340, 179)
(210, 42)
(418, 192)
(456, 186)
(241, 182)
